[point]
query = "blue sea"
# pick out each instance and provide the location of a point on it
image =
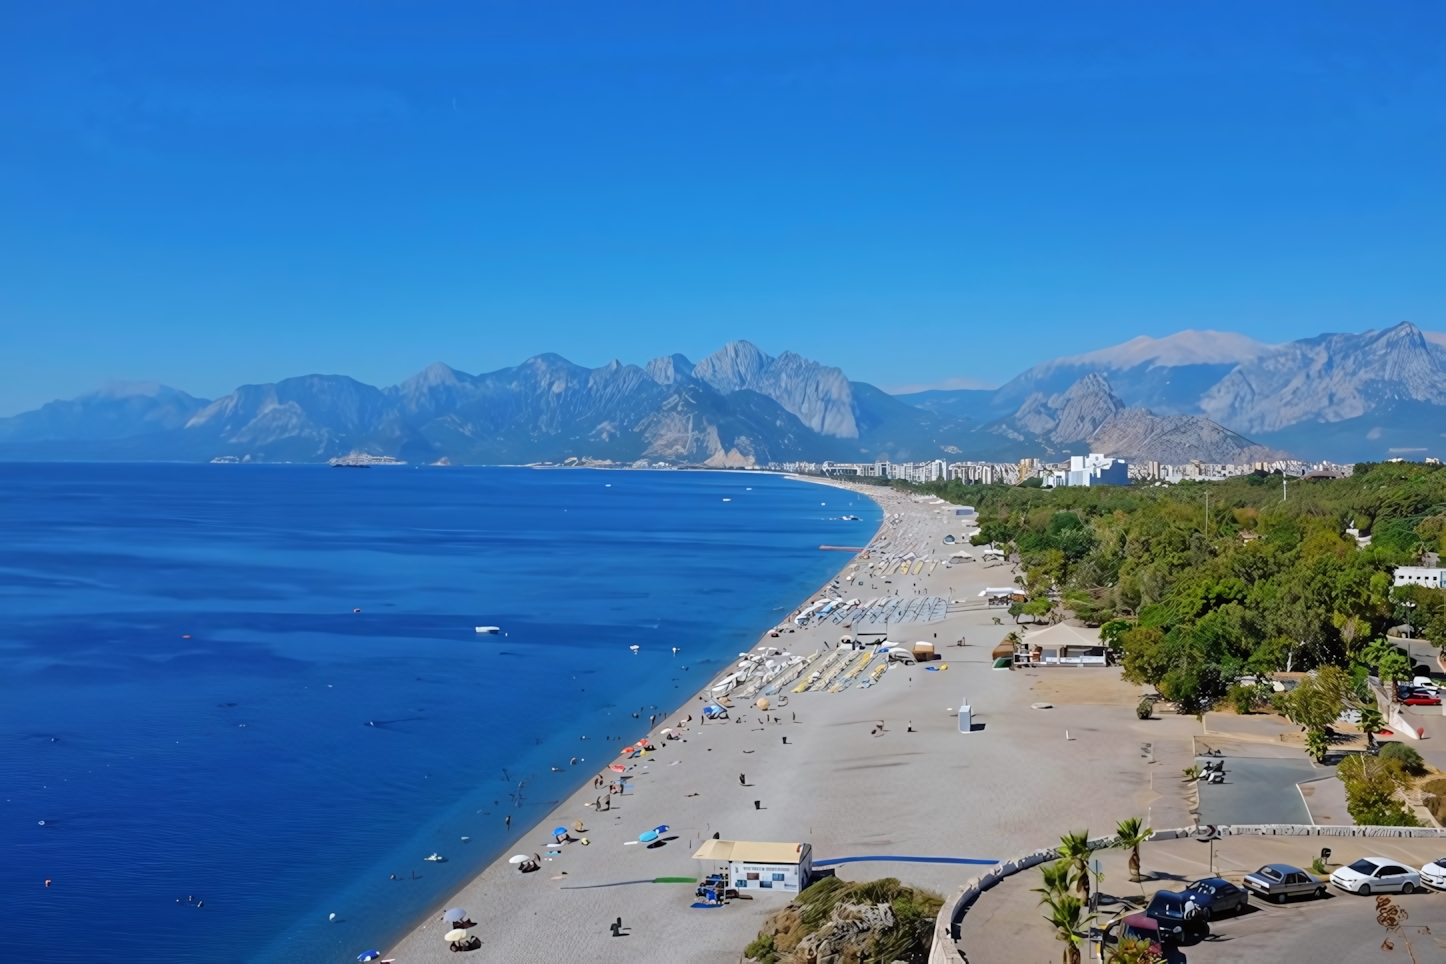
(206, 750)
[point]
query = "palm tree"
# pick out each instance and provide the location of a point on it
(1133, 832)
(1395, 667)
(1075, 848)
(1067, 915)
(1058, 878)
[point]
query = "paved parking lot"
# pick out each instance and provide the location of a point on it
(1005, 926)
(1340, 927)
(1258, 790)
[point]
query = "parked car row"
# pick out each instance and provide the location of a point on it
(1174, 917)
(1366, 876)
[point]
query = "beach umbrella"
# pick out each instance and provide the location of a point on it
(660, 828)
(617, 767)
(518, 858)
(369, 955)
(456, 935)
(454, 913)
(648, 835)
(559, 831)
(762, 703)
(666, 730)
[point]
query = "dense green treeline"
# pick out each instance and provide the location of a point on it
(1200, 583)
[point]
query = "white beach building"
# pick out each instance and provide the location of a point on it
(753, 865)
(1419, 576)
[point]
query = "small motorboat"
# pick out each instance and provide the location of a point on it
(436, 859)
(489, 630)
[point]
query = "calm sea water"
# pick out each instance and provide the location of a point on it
(207, 752)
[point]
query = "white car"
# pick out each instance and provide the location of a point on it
(1375, 875)
(1434, 874)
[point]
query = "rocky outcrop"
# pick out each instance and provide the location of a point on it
(835, 922)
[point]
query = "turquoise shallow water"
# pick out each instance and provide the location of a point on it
(207, 752)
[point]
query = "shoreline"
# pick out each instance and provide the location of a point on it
(409, 931)
(878, 779)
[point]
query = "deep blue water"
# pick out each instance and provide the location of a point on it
(192, 708)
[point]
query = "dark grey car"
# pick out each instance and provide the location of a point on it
(1216, 897)
(1278, 882)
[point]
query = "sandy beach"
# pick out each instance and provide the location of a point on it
(878, 773)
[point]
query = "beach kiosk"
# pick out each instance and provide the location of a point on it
(999, 597)
(1063, 645)
(755, 866)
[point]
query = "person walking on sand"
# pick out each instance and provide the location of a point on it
(742, 781)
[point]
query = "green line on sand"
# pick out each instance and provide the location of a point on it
(675, 880)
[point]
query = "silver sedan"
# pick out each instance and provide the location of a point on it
(1278, 882)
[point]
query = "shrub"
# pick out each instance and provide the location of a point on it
(1145, 707)
(761, 949)
(1407, 757)
(1436, 787)
(1371, 783)
(1437, 806)
(1242, 698)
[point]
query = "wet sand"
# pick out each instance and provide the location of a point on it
(916, 787)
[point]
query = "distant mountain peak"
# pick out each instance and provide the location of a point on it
(670, 369)
(135, 390)
(732, 367)
(820, 396)
(114, 411)
(1188, 347)
(1071, 415)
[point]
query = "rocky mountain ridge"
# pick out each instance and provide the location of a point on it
(737, 407)
(1345, 397)
(1194, 395)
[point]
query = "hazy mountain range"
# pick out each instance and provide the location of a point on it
(1197, 394)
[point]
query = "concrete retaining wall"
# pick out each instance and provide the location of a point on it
(946, 926)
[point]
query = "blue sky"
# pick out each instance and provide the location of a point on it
(211, 194)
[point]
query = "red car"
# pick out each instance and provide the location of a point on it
(1421, 698)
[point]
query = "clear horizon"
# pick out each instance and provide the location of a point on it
(207, 198)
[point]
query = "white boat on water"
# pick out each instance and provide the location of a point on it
(489, 630)
(436, 859)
